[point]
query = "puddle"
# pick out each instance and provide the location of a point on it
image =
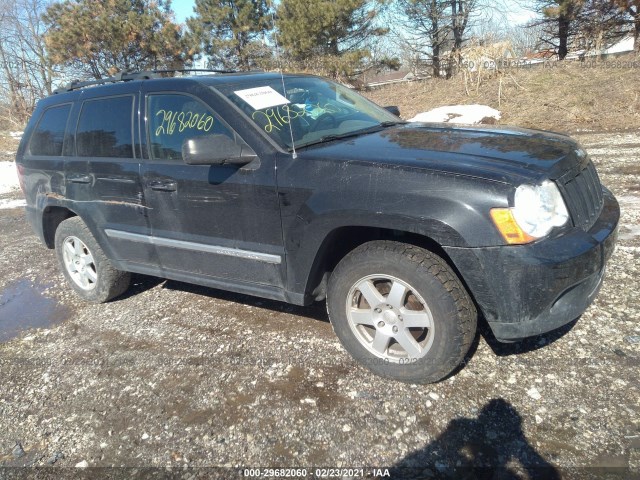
(23, 306)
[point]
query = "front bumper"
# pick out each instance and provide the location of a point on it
(527, 290)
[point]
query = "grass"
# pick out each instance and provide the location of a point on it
(570, 97)
(7, 144)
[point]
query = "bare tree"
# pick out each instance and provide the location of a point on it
(460, 11)
(437, 30)
(599, 23)
(26, 75)
(427, 20)
(524, 38)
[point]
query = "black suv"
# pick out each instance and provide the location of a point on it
(298, 189)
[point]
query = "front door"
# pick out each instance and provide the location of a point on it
(221, 221)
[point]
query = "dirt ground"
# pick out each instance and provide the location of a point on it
(180, 376)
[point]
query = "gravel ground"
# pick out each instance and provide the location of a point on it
(174, 375)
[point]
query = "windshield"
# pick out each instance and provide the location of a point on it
(308, 109)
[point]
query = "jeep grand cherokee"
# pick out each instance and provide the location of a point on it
(298, 189)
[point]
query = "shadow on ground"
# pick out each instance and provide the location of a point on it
(317, 311)
(490, 446)
(526, 345)
(141, 283)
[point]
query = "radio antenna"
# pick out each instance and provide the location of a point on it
(279, 62)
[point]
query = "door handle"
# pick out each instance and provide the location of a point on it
(163, 186)
(80, 178)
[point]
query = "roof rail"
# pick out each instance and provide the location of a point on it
(185, 70)
(128, 76)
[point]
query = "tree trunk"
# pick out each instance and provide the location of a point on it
(11, 81)
(636, 33)
(435, 59)
(241, 52)
(563, 36)
(436, 40)
(460, 15)
(333, 46)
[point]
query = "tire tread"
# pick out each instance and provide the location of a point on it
(438, 268)
(111, 281)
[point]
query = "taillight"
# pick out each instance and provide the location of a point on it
(20, 169)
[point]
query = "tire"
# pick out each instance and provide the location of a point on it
(84, 264)
(417, 296)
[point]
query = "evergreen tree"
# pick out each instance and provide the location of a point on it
(231, 32)
(428, 22)
(101, 37)
(329, 35)
(559, 22)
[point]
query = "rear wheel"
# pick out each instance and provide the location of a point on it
(401, 311)
(84, 264)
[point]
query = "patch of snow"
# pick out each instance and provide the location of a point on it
(16, 135)
(8, 177)
(464, 114)
(6, 203)
(624, 45)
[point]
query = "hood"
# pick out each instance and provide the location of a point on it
(510, 155)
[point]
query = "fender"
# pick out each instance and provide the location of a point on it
(449, 209)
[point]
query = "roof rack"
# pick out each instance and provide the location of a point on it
(186, 70)
(128, 76)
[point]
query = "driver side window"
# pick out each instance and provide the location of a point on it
(174, 118)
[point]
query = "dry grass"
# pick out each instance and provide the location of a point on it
(566, 98)
(7, 144)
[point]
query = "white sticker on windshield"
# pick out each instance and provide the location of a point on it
(261, 97)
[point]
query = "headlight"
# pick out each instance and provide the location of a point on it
(537, 210)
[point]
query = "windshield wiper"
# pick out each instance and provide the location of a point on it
(355, 133)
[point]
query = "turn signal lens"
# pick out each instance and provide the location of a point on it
(508, 227)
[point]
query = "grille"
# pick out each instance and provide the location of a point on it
(583, 194)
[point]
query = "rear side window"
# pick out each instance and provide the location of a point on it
(174, 118)
(48, 137)
(104, 128)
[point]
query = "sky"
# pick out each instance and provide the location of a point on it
(514, 12)
(183, 9)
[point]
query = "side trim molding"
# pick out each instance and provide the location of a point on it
(198, 247)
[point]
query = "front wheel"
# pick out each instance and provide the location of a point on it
(84, 264)
(401, 311)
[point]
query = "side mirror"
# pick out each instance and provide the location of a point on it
(215, 150)
(393, 109)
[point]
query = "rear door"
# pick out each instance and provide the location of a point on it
(103, 177)
(220, 221)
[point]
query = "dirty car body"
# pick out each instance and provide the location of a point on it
(306, 182)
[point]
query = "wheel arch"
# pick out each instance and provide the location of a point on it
(342, 240)
(52, 217)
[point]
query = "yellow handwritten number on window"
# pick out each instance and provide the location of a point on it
(170, 120)
(274, 118)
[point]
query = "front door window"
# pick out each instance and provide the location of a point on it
(176, 118)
